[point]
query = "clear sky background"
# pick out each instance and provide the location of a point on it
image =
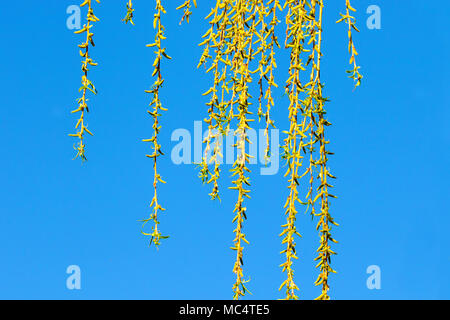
(391, 138)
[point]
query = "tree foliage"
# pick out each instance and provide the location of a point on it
(239, 51)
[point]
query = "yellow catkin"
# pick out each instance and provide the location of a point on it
(351, 22)
(87, 85)
(187, 6)
(130, 13)
(155, 113)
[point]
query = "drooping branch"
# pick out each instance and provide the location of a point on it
(267, 63)
(351, 22)
(87, 84)
(325, 219)
(216, 39)
(296, 20)
(187, 6)
(157, 107)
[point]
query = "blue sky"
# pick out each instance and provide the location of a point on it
(391, 138)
